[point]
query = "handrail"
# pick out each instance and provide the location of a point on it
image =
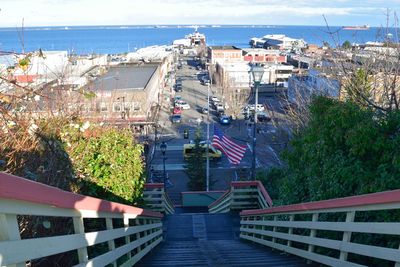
(17, 188)
(242, 195)
(379, 198)
(306, 224)
(157, 199)
(260, 187)
(141, 229)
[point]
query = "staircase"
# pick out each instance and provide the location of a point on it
(203, 239)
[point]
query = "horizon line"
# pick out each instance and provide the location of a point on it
(183, 25)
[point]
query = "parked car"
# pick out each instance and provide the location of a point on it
(225, 120)
(204, 110)
(177, 110)
(182, 104)
(176, 118)
(219, 107)
(178, 87)
(215, 100)
(205, 80)
(249, 109)
(261, 117)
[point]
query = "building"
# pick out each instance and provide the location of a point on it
(223, 53)
(237, 75)
(278, 41)
(302, 87)
(125, 94)
(260, 55)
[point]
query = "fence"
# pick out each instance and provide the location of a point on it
(242, 195)
(333, 232)
(141, 230)
(157, 199)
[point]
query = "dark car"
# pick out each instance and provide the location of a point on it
(176, 118)
(204, 110)
(178, 87)
(261, 117)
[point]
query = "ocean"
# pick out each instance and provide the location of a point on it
(122, 39)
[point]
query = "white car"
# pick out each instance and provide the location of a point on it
(215, 99)
(219, 107)
(182, 104)
(260, 107)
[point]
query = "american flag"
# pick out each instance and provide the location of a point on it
(233, 151)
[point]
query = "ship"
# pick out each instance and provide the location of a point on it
(356, 28)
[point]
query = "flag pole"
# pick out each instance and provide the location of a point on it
(208, 141)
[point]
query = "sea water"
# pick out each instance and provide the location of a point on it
(122, 39)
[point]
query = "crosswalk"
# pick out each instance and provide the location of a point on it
(181, 166)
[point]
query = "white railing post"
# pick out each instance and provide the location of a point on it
(397, 264)
(291, 219)
(274, 229)
(111, 243)
(9, 230)
(264, 218)
(139, 248)
(313, 233)
(127, 237)
(79, 228)
(347, 235)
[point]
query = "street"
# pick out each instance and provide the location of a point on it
(221, 172)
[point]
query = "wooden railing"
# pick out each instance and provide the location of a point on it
(157, 199)
(242, 195)
(332, 232)
(141, 230)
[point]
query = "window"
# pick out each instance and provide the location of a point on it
(136, 106)
(127, 106)
(101, 107)
(117, 107)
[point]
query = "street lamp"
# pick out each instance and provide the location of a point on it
(257, 72)
(163, 148)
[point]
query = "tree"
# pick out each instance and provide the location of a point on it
(344, 150)
(107, 161)
(195, 167)
(359, 88)
(346, 45)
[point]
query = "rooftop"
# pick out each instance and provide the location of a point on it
(128, 77)
(224, 47)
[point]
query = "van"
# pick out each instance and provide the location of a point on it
(213, 153)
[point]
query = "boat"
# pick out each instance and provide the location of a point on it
(196, 38)
(192, 40)
(356, 28)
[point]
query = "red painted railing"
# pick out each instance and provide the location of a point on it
(306, 224)
(346, 202)
(141, 229)
(241, 195)
(157, 199)
(17, 188)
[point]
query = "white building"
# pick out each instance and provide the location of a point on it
(278, 41)
(237, 74)
(302, 88)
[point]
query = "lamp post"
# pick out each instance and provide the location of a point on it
(257, 72)
(163, 148)
(208, 135)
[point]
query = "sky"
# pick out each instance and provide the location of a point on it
(189, 12)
